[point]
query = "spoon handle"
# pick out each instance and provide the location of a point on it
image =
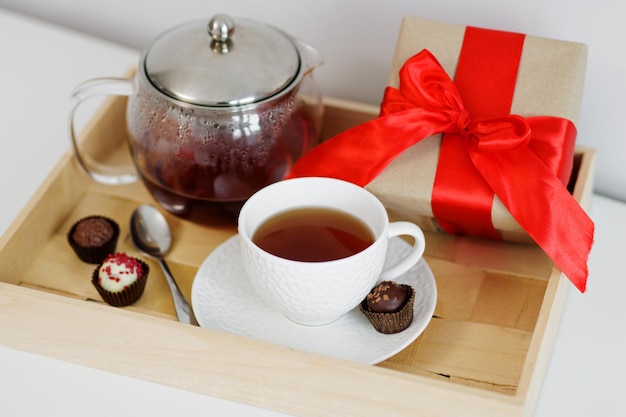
(183, 312)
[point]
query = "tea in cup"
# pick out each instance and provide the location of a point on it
(314, 247)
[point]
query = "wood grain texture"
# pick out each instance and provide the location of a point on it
(484, 353)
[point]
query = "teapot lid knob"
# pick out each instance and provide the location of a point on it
(221, 28)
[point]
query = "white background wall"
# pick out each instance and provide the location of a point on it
(358, 37)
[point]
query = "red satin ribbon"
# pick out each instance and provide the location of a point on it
(485, 77)
(502, 149)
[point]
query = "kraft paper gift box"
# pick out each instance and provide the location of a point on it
(479, 124)
(550, 81)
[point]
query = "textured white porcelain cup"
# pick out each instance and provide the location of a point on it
(318, 293)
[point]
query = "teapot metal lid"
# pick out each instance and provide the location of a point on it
(223, 63)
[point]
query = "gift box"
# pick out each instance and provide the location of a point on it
(550, 81)
(476, 136)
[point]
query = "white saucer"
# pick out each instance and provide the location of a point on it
(223, 299)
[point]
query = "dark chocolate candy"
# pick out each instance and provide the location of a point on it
(93, 231)
(387, 297)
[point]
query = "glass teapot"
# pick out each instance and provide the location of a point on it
(215, 112)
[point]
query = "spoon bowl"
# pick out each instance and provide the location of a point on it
(151, 234)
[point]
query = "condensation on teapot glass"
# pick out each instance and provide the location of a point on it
(217, 110)
(187, 155)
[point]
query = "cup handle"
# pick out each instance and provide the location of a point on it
(88, 89)
(412, 257)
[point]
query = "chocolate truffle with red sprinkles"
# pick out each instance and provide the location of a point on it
(120, 279)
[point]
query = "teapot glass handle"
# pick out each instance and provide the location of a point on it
(88, 89)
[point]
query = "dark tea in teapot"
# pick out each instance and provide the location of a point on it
(187, 164)
(217, 109)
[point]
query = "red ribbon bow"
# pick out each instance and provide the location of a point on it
(504, 151)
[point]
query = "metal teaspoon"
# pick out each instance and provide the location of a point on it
(150, 233)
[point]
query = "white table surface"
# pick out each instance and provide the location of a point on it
(39, 66)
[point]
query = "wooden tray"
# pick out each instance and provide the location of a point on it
(484, 353)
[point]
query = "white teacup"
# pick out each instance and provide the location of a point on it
(318, 293)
